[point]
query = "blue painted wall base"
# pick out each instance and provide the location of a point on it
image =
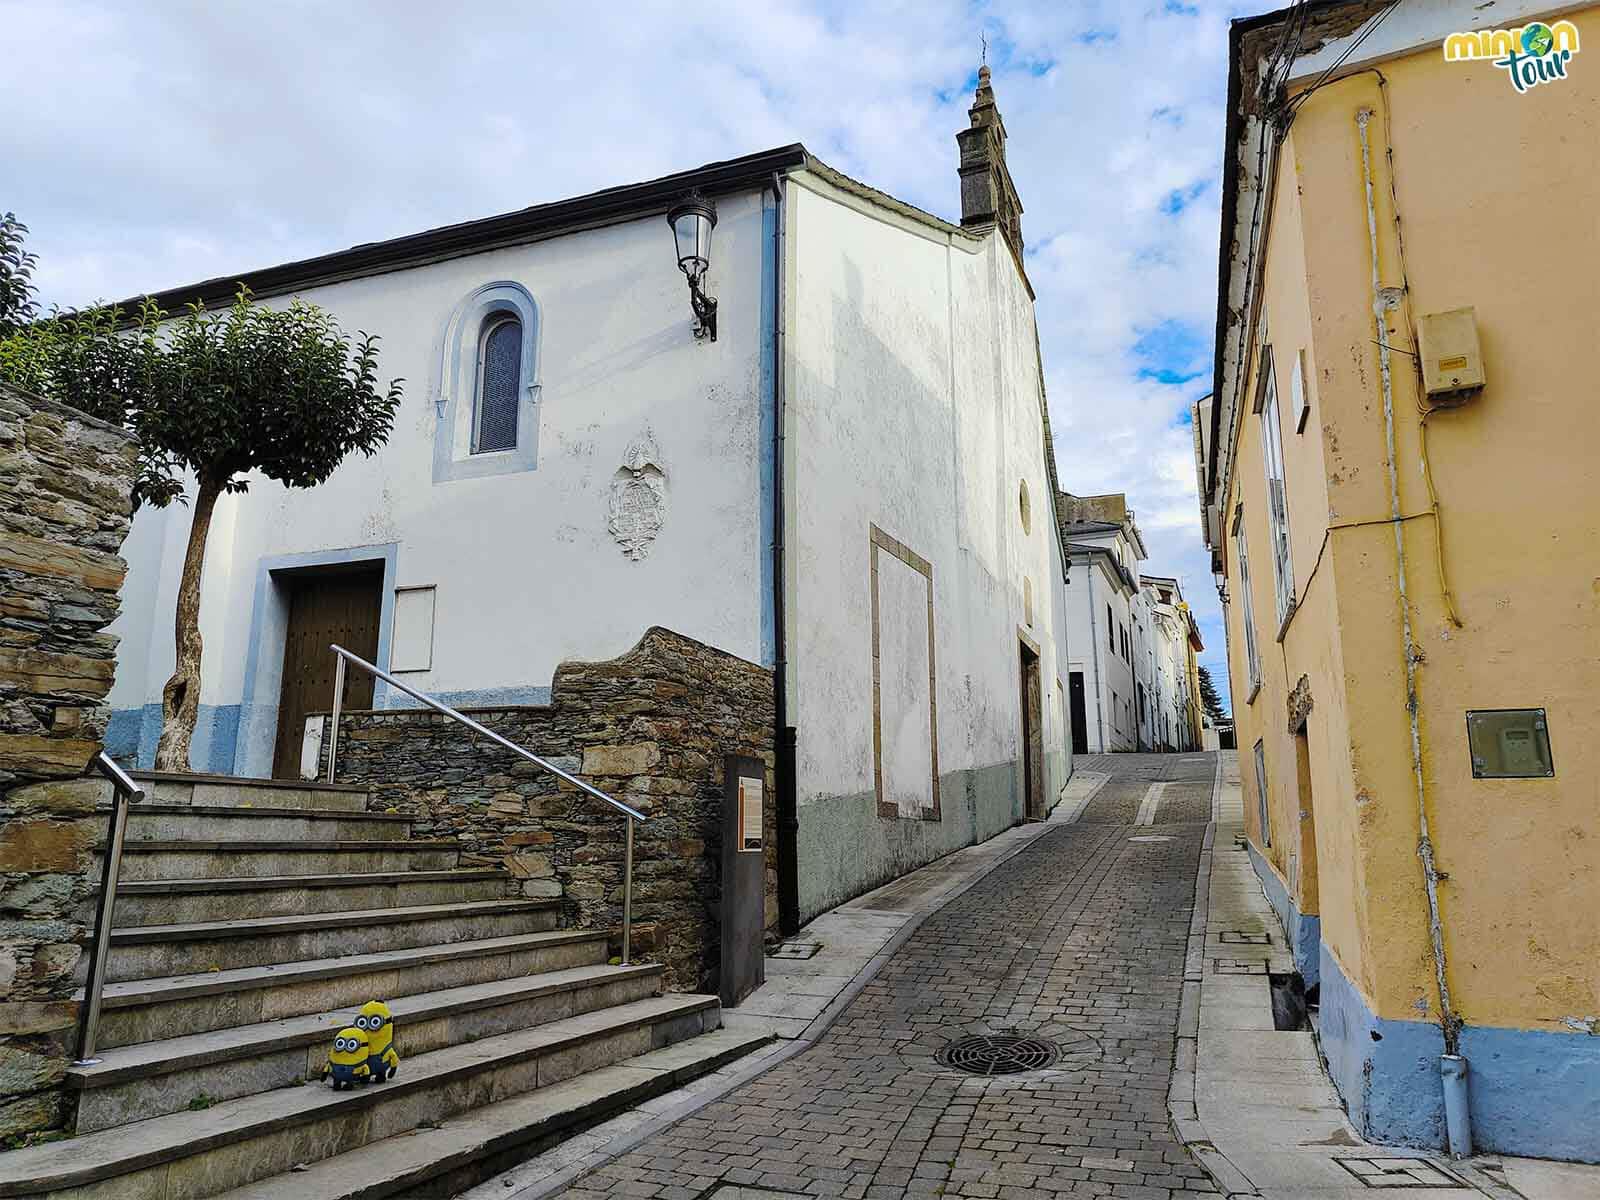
(1302, 931)
(1532, 1093)
(132, 733)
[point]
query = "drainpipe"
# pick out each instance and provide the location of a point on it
(1094, 640)
(1452, 1066)
(784, 747)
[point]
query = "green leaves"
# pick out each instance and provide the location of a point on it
(17, 305)
(283, 391)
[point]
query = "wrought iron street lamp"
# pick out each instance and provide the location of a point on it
(692, 220)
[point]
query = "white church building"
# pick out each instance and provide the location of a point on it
(844, 473)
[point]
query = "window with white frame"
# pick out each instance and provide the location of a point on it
(1261, 795)
(487, 403)
(1277, 498)
(1251, 655)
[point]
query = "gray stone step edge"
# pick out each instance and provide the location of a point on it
(135, 993)
(1182, 1112)
(167, 808)
(272, 883)
(208, 931)
(125, 1149)
(241, 781)
(391, 1167)
(261, 793)
(122, 1064)
(247, 846)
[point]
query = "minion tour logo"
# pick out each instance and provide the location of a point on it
(1530, 54)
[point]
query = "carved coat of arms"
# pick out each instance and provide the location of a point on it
(638, 498)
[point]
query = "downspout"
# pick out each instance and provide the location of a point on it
(1094, 640)
(784, 733)
(1452, 1066)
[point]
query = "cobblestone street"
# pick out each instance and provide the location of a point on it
(1078, 941)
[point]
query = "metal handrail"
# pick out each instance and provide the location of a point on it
(124, 793)
(342, 656)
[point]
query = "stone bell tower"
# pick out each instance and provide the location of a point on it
(988, 197)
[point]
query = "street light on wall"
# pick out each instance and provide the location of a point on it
(692, 220)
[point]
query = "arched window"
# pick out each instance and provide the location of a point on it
(487, 403)
(495, 404)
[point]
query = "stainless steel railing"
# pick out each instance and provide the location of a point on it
(124, 793)
(633, 815)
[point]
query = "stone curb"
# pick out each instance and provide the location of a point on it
(623, 1143)
(1181, 1108)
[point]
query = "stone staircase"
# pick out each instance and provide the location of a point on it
(252, 920)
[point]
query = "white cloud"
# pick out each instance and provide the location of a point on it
(155, 145)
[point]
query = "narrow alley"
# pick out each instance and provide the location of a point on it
(1076, 945)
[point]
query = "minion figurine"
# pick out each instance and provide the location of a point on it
(347, 1061)
(378, 1021)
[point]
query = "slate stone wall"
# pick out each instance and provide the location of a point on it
(651, 728)
(65, 481)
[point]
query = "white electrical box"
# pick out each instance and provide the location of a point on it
(1451, 359)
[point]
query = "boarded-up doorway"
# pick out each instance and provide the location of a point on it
(1032, 736)
(1305, 847)
(326, 605)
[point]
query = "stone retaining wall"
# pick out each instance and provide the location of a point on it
(651, 728)
(65, 482)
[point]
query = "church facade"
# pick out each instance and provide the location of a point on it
(850, 482)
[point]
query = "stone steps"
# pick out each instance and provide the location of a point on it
(152, 951)
(150, 1009)
(202, 1153)
(211, 859)
(256, 793)
(163, 821)
(466, 1149)
(253, 919)
(153, 1078)
(174, 901)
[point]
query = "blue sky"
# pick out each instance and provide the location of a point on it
(173, 142)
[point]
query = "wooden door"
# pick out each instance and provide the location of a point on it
(325, 606)
(1032, 738)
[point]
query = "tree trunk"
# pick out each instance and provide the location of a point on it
(180, 699)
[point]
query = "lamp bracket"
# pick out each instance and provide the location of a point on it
(705, 311)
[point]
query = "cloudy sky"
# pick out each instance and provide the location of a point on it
(158, 143)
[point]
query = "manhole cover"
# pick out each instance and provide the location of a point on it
(997, 1054)
(1399, 1173)
(794, 950)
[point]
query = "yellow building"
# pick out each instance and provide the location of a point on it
(1400, 477)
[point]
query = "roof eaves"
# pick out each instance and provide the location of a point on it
(593, 210)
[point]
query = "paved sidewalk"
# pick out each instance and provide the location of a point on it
(1254, 1104)
(1078, 939)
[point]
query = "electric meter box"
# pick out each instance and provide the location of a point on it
(1452, 360)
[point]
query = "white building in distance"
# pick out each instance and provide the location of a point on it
(1133, 683)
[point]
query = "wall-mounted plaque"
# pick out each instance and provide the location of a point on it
(744, 874)
(749, 814)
